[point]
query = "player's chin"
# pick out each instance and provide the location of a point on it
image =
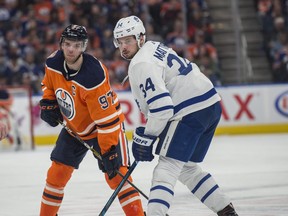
(125, 54)
(129, 55)
(69, 59)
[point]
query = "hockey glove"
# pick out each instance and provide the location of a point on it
(50, 112)
(142, 145)
(112, 161)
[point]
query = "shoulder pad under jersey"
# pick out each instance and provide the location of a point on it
(91, 73)
(56, 60)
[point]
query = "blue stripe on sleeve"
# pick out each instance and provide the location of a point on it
(158, 97)
(161, 109)
(195, 100)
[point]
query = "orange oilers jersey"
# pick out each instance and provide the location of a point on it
(89, 105)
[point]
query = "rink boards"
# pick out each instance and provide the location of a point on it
(246, 109)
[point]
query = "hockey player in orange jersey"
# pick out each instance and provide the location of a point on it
(76, 90)
(3, 130)
(5, 105)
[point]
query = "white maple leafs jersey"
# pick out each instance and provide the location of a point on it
(166, 86)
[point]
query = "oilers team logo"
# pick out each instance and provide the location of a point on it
(281, 104)
(66, 103)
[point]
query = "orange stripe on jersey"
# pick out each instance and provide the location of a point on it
(123, 147)
(89, 129)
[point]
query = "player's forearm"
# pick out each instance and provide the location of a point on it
(107, 140)
(155, 126)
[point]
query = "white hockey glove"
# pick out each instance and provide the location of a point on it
(142, 145)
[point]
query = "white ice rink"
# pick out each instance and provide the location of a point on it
(251, 169)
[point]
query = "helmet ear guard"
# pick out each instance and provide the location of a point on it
(129, 26)
(76, 33)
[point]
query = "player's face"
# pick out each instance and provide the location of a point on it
(128, 46)
(72, 50)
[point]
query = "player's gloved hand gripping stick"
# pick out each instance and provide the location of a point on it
(50, 112)
(142, 145)
(111, 161)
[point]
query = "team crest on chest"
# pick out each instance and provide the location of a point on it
(66, 103)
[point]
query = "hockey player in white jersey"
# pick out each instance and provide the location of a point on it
(182, 110)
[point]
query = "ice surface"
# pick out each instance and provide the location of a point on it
(251, 169)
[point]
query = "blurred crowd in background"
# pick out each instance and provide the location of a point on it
(30, 31)
(273, 17)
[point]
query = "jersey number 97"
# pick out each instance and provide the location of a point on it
(104, 100)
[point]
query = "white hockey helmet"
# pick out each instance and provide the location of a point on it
(128, 26)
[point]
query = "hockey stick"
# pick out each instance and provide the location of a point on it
(119, 187)
(97, 154)
(125, 178)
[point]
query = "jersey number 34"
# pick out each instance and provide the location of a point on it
(184, 69)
